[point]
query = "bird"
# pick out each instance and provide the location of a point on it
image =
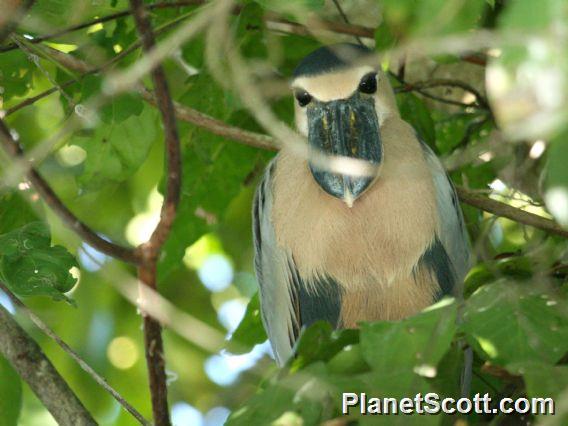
(335, 245)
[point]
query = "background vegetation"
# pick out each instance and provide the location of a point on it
(86, 120)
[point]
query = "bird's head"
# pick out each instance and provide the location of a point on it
(342, 98)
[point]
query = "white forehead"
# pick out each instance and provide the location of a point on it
(332, 85)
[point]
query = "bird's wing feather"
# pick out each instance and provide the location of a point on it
(452, 242)
(275, 273)
(288, 300)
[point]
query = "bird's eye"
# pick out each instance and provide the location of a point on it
(368, 83)
(303, 98)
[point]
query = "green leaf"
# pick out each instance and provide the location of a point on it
(250, 25)
(10, 394)
(304, 399)
(63, 13)
(30, 266)
(508, 322)
(15, 74)
(415, 344)
(250, 331)
(556, 192)
(414, 111)
(543, 381)
(515, 267)
(213, 170)
(404, 18)
(14, 212)
(348, 361)
(294, 49)
(121, 108)
(213, 175)
(319, 342)
(450, 129)
(116, 150)
(292, 7)
(548, 384)
(440, 17)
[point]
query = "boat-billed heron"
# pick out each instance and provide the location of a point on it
(342, 246)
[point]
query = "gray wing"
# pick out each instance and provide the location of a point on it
(275, 274)
(452, 243)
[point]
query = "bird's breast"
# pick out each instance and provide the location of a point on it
(377, 241)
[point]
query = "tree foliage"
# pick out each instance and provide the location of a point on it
(484, 83)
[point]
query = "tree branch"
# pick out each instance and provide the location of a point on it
(422, 85)
(173, 153)
(150, 250)
(505, 210)
(67, 349)
(154, 351)
(54, 202)
(34, 367)
(214, 125)
(480, 99)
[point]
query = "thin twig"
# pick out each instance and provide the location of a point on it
(472, 127)
(476, 59)
(102, 20)
(39, 96)
(505, 210)
(67, 217)
(346, 19)
(29, 361)
(34, 58)
(442, 100)
(481, 100)
(78, 64)
(149, 251)
(420, 87)
(67, 349)
(277, 23)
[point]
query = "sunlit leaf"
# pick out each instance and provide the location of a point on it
(402, 18)
(510, 322)
(250, 331)
(320, 342)
(556, 193)
(116, 150)
(15, 74)
(542, 380)
(414, 345)
(414, 111)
